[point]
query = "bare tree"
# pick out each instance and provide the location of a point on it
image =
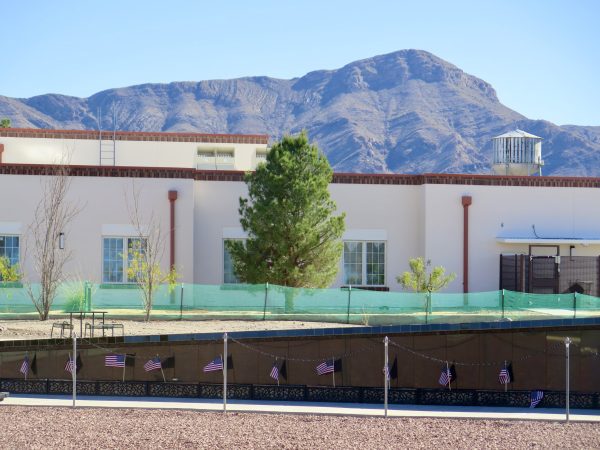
(146, 252)
(52, 217)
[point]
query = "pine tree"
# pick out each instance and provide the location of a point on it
(293, 237)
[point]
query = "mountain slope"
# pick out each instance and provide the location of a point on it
(404, 112)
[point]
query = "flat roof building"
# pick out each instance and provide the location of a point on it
(192, 182)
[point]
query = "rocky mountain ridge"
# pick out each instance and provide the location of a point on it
(404, 112)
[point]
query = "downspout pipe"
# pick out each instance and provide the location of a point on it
(466, 202)
(172, 198)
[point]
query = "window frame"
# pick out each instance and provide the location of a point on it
(364, 264)
(224, 249)
(125, 258)
(17, 261)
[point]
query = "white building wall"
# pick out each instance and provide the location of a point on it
(103, 209)
(423, 220)
(215, 210)
(393, 210)
(128, 153)
(504, 211)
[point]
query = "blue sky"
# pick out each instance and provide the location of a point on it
(541, 56)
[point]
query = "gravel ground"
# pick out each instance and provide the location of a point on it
(43, 428)
(35, 329)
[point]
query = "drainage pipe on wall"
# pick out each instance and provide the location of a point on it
(172, 198)
(466, 202)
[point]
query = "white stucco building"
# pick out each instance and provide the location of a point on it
(192, 182)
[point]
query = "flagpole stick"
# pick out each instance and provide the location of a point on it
(74, 368)
(161, 370)
(224, 359)
(567, 344)
(449, 379)
(333, 373)
(505, 384)
(386, 381)
(124, 366)
(28, 365)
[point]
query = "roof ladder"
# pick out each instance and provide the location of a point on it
(108, 145)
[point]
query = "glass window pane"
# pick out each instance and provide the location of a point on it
(9, 248)
(229, 276)
(112, 261)
(353, 263)
(375, 263)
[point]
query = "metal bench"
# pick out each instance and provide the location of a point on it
(62, 326)
(104, 327)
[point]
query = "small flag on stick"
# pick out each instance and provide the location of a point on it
(447, 376)
(71, 365)
(505, 375)
(325, 367)
(33, 365)
(536, 398)
(153, 364)
(391, 373)
(169, 363)
(114, 361)
(25, 366)
(275, 372)
(215, 364)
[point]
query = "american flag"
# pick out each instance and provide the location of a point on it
(153, 364)
(536, 398)
(274, 372)
(114, 360)
(504, 376)
(215, 364)
(25, 366)
(445, 376)
(386, 371)
(326, 367)
(70, 365)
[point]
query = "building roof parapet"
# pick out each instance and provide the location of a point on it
(260, 139)
(338, 178)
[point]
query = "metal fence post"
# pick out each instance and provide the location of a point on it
(348, 311)
(224, 372)
(266, 298)
(574, 305)
(567, 344)
(181, 303)
(386, 376)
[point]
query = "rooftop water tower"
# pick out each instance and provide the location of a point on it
(517, 153)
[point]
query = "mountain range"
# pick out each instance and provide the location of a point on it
(403, 112)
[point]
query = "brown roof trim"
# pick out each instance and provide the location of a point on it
(465, 179)
(136, 136)
(338, 178)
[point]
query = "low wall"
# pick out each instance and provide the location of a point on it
(535, 350)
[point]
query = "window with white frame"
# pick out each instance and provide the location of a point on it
(115, 260)
(260, 156)
(364, 263)
(9, 248)
(229, 276)
(215, 158)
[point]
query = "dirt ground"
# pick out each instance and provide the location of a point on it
(35, 329)
(49, 428)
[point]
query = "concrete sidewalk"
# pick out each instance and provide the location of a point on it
(339, 409)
